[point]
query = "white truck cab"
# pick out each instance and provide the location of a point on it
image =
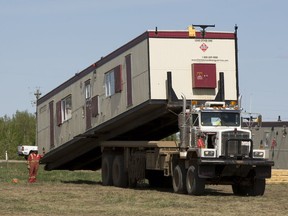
(220, 124)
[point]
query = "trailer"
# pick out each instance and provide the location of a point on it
(114, 114)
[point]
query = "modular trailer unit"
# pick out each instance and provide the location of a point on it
(128, 94)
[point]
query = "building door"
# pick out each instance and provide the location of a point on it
(51, 116)
(88, 104)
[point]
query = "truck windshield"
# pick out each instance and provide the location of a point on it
(220, 119)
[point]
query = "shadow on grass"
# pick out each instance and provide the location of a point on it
(147, 187)
(215, 191)
(82, 182)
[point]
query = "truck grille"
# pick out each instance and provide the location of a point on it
(233, 149)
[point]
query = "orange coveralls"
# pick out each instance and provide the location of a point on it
(33, 165)
(200, 143)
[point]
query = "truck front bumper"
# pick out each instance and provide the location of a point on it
(215, 168)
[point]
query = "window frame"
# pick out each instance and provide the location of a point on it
(88, 90)
(66, 108)
(109, 83)
(113, 81)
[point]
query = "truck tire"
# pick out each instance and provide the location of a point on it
(258, 187)
(106, 170)
(120, 177)
(179, 176)
(240, 190)
(194, 184)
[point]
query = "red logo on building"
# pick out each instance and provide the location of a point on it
(203, 47)
(199, 75)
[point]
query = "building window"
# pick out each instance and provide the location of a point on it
(113, 81)
(110, 83)
(87, 90)
(66, 108)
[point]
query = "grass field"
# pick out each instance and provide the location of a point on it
(81, 193)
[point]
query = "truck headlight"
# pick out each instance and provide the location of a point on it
(208, 153)
(259, 154)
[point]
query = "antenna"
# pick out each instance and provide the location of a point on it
(203, 32)
(37, 94)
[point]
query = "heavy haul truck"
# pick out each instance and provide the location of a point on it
(114, 115)
(227, 155)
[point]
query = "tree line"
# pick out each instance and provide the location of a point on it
(20, 129)
(17, 130)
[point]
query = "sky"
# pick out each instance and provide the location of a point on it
(43, 43)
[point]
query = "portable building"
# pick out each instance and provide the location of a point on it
(133, 93)
(272, 136)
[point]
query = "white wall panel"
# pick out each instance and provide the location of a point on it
(177, 56)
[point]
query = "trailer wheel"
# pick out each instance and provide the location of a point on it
(258, 187)
(120, 177)
(106, 170)
(194, 184)
(179, 176)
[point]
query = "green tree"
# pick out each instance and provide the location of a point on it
(173, 137)
(18, 130)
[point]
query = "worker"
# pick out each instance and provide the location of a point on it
(33, 165)
(200, 141)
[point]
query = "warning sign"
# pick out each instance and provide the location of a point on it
(203, 47)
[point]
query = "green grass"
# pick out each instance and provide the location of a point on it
(81, 193)
(10, 171)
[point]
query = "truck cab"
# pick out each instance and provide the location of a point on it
(227, 156)
(218, 123)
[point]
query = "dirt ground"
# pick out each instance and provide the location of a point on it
(91, 198)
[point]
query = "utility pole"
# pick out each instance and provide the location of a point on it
(37, 95)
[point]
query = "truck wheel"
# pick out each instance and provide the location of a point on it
(179, 176)
(120, 177)
(106, 171)
(194, 184)
(258, 187)
(240, 190)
